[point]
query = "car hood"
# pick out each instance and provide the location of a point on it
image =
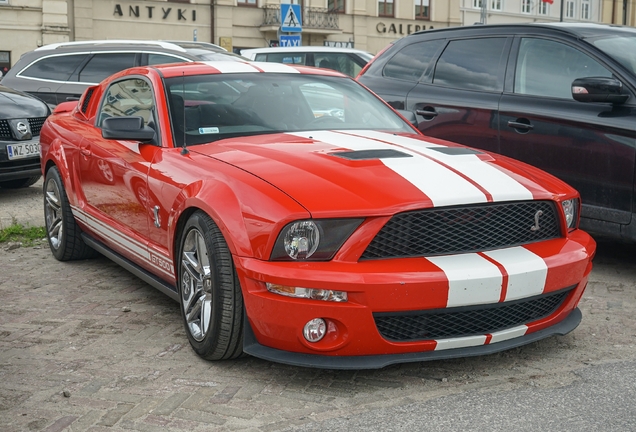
(15, 104)
(335, 173)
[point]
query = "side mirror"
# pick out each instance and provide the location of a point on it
(598, 89)
(129, 128)
(409, 116)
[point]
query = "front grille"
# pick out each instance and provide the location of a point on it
(467, 321)
(5, 130)
(452, 230)
(35, 123)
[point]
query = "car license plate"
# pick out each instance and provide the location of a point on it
(23, 150)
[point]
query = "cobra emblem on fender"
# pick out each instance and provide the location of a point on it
(536, 226)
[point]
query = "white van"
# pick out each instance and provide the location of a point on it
(346, 60)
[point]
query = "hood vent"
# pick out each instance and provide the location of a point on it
(456, 151)
(371, 154)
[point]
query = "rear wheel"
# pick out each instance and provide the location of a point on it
(209, 291)
(62, 232)
(19, 183)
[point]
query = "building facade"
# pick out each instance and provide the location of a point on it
(235, 24)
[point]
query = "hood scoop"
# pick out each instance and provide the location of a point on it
(371, 154)
(456, 151)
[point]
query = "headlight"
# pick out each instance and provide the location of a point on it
(313, 239)
(569, 209)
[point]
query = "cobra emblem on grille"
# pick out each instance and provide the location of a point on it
(536, 226)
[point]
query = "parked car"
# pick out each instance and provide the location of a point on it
(346, 60)
(21, 118)
(59, 72)
(558, 96)
(298, 218)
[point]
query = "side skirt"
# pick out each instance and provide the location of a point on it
(149, 278)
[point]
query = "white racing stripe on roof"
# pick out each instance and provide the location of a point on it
(276, 67)
(527, 272)
(497, 183)
(443, 186)
(472, 279)
(231, 67)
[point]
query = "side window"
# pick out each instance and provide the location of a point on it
(155, 59)
(260, 57)
(340, 62)
(411, 62)
(130, 97)
(472, 64)
(547, 68)
(58, 68)
(104, 65)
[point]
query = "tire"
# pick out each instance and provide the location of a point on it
(19, 183)
(62, 232)
(209, 291)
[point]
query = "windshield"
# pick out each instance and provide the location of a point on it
(620, 48)
(207, 108)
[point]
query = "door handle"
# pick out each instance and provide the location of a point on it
(519, 125)
(427, 113)
(85, 151)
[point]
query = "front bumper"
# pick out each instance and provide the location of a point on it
(18, 168)
(274, 323)
(252, 347)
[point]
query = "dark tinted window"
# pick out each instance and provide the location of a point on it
(57, 68)
(411, 62)
(474, 64)
(104, 65)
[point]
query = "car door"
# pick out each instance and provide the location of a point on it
(114, 173)
(459, 98)
(591, 146)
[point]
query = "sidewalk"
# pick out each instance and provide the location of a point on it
(24, 206)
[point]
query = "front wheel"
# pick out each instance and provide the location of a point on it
(62, 232)
(209, 291)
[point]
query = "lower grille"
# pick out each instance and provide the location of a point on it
(467, 321)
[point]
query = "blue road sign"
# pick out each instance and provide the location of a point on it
(290, 18)
(290, 41)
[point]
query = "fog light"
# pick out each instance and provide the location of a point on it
(315, 329)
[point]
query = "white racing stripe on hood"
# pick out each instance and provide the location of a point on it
(500, 185)
(441, 185)
(232, 67)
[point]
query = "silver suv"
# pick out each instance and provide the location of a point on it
(59, 72)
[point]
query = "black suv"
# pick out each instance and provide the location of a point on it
(561, 97)
(59, 72)
(21, 118)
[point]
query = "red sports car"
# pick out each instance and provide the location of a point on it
(296, 217)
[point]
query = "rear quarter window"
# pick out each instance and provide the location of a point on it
(57, 68)
(472, 64)
(411, 61)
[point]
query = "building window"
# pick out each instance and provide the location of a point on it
(179, 1)
(385, 8)
(251, 3)
(526, 6)
(336, 6)
(544, 8)
(585, 10)
(422, 9)
(4, 2)
(569, 9)
(496, 5)
(477, 4)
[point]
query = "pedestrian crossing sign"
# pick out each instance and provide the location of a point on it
(290, 18)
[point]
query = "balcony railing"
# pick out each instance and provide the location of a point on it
(313, 17)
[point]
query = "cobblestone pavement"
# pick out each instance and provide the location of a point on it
(88, 346)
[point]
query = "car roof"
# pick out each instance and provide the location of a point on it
(577, 29)
(301, 49)
(221, 67)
